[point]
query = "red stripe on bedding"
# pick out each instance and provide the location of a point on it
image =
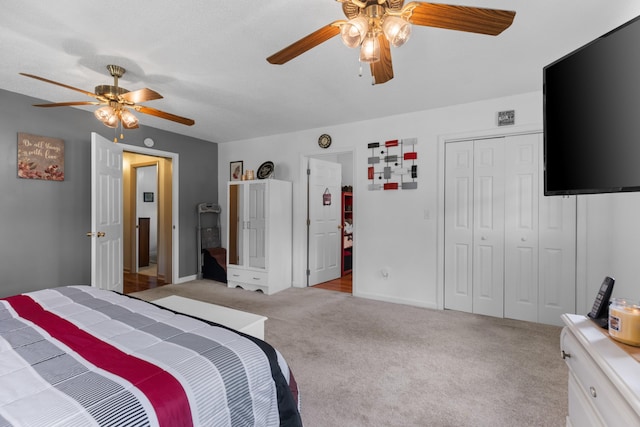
(165, 392)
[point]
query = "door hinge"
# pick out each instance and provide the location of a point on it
(308, 272)
(308, 222)
(308, 171)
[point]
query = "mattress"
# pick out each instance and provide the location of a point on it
(80, 356)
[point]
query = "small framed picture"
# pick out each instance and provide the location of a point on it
(235, 171)
(147, 197)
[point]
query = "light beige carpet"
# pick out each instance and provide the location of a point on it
(360, 362)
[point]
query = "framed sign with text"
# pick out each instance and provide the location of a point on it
(40, 157)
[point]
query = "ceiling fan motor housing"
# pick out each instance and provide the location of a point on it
(110, 92)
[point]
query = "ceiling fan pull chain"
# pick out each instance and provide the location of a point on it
(360, 72)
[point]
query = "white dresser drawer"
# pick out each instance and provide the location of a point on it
(594, 385)
(247, 276)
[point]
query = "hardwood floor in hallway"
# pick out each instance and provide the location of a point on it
(134, 282)
(341, 284)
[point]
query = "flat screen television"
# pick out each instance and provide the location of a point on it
(592, 116)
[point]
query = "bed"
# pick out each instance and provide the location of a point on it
(80, 356)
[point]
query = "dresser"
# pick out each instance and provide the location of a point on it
(604, 375)
(259, 238)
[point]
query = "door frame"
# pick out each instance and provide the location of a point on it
(300, 217)
(457, 137)
(175, 202)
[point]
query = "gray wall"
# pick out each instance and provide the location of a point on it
(43, 223)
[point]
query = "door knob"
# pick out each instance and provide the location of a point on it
(99, 234)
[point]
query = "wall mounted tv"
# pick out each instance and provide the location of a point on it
(592, 116)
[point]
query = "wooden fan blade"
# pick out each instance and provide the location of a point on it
(382, 70)
(306, 43)
(91, 94)
(461, 18)
(68, 104)
(141, 95)
(163, 115)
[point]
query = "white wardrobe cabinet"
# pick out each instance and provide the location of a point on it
(259, 237)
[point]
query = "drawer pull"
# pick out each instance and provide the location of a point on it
(235, 275)
(565, 355)
(592, 390)
(256, 278)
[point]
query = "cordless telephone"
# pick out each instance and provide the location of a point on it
(600, 310)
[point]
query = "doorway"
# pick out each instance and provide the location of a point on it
(330, 231)
(148, 231)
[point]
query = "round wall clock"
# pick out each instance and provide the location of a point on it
(324, 141)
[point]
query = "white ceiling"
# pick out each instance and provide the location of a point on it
(207, 58)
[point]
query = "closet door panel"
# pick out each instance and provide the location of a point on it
(521, 226)
(257, 215)
(488, 233)
(458, 226)
(557, 288)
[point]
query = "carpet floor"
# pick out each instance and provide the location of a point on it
(360, 362)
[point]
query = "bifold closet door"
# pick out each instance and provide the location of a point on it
(522, 192)
(474, 226)
(458, 224)
(488, 226)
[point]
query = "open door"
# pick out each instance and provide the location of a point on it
(324, 221)
(106, 214)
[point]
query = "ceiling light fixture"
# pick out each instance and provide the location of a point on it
(374, 20)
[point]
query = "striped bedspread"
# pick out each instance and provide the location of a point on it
(80, 356)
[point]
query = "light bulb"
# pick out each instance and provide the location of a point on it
(103, 114)
(396, 29)
(370, 50)
(354, 31)
(129, 121)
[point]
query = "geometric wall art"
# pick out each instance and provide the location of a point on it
(393, 165)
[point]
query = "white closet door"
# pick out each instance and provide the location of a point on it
(458, 225)
(522, 187)
(488, 225)
(557, 283)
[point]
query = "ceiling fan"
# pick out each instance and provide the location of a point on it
(117, 102)
(373, 25)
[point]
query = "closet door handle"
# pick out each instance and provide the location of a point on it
(483, 238)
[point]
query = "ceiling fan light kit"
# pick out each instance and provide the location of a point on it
(117, 102)
(375, 25)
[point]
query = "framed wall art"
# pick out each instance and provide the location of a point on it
(235, 171)
(40, 157)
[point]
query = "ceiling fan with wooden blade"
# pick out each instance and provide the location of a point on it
(375, 25)
(116, 102)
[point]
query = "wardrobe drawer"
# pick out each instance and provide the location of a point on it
(251, 277)
(600, 392)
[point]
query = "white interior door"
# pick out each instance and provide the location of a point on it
(324, 221)
(106, 214)
(458, 223)
(488, 225)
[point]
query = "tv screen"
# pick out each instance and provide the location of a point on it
(592, 116)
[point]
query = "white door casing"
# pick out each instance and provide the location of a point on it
(106, 214)
(324, 221)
